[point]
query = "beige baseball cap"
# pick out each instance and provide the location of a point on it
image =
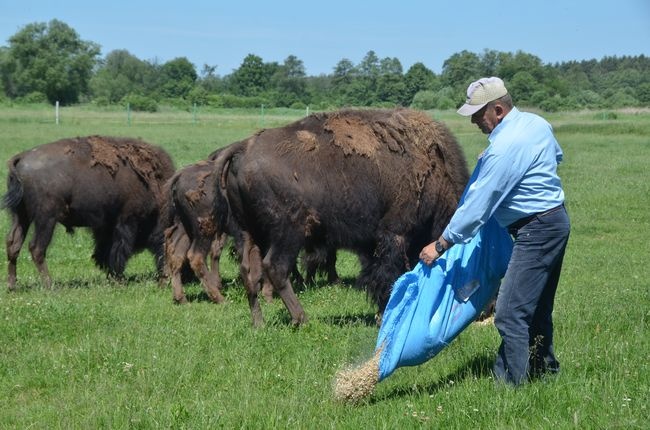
(482, 92)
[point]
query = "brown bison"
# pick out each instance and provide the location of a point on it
(195, 229)
(382, 183)
(192, 233)
(110, 185)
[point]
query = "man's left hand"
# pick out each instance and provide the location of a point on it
(428, 254)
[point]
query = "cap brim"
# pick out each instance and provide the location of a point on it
(469, 110)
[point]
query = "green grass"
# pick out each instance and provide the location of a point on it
(95, 354)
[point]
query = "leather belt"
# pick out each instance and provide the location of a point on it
(525, 220)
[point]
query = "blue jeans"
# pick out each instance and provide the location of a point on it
(525, 300)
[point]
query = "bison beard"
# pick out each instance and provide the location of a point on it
(381, 183)
(111, 185)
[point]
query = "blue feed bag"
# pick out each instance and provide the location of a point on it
(430, 306)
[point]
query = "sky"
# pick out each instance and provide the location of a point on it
(321, 33)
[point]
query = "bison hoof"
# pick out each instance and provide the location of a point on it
(378, 318)
(216, 298)
(299, 320)
(180, 301)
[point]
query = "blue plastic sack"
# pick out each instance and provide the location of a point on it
(430, 306)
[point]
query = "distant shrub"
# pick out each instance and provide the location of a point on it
(198, 96)
(552, 104)
(606, 115)
(214, 100)
(32, 98)
(622, 98)
(427, 100)
(101, 101)
(424, 100)
(137, 102)
(231, 101)
(177, 102)
(298, 105)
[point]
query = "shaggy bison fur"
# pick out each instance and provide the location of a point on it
(110, 185)
(381, 183)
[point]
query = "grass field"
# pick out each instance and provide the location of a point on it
(91, 353)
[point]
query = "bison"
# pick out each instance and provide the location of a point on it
(381, 183)
(111, 185)
(195, 229)
(191, 231)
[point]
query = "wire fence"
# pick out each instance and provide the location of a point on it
(126, 116)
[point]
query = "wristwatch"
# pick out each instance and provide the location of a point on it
(439, 248)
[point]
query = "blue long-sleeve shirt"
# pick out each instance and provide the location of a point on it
(517, 177)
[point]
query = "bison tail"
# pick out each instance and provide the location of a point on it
(222, 164)
(168, 205)
(14, 196)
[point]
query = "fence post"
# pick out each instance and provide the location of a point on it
(262, 115)
(128, 114)
(56, 112)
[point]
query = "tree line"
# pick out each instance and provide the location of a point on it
(48, 62)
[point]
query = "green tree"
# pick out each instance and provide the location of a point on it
(459, 70)
(321, 91)
(121, 73)
(209, 80)
(522, 86)
(390, 86)
(252, 77)
(511, 64)
(289, 82)
(342, 78)
(428, 99)
(418, 78)
(177, 78)
(369, 65)
(363, 90)
(344, 73)
(643, 93)
(490, 61)
(6, 73)
(50, 59)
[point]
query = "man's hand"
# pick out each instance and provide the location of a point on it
(431, 253)
(428, 254)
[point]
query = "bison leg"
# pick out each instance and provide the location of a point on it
(323, 261)
(102, 250)
(330, 262)
(122, 248)
(43, 231)
(277, 266)
(176, 246)
(380, 271)
(210, 279)
(267, 290)
(488, 312)
(216, 247)
(250, 270)
(14, 242)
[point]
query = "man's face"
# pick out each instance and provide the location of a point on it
(487, 118)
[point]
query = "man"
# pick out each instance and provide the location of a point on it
(517, 183)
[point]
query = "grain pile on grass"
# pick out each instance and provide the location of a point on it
(355, 384)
